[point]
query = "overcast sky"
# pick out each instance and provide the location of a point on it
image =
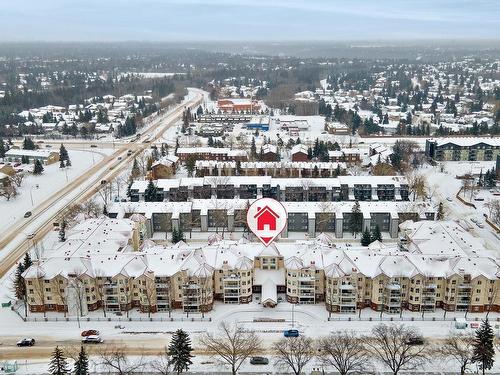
(174, 20)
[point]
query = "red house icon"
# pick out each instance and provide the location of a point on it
(266, 218)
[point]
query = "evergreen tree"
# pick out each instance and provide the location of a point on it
(366, 238)
(27, 262)
(63, 153)
(150, 193)
(484, 352)
(58, 364)
(253, 150)
(375, 234)
(2, 148)
(190, 164)
(356, 219)
(82, 363)
(62, 231)
(19, 285)
(440, 213)
(179, 351)
(28, 144)
(180, 235)
(68, 163)
(38, 167)
(174, 236)
(61, 163)
(135, 172)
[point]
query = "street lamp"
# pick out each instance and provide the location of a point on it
(31, 193)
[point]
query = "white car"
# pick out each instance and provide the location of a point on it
(92, 339)
(474, 220)
(449, 199)
(480, 225)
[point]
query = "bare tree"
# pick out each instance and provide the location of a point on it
(148, 287)
(294, 353)
(493, 206)
(417, 184)
(344, 351)
(60, 292)
(8, 191)
(90, 208)
(115, 359)
(233, 345)
(17, 179)
(391, 345)
(39, 289)
(458, 347)
(162, 364)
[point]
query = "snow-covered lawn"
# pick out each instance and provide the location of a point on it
(36, 189)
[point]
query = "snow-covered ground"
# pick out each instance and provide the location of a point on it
(444, 186)
(35, 189)
(311, 320)
(211, 365)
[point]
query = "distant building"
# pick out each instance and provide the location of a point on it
(337, 128)
(165, 167)
(463, 149)
(259, 123)
(211, 153)
(45, 156)
(269, 153)
(299, 153)
(238, 105)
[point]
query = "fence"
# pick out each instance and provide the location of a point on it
(404, 318)
(111, 319)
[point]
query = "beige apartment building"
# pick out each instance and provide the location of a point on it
(188, 278)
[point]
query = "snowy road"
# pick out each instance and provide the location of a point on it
(19, 238)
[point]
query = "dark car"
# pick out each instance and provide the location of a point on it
(26, 342)
(93, 146)
(27, 214)
(291, 333)
(259, 361)
(415, 340)
(90, 332)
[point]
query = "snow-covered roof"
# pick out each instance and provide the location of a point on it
(468, 141)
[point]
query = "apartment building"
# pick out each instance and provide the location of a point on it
(463, 149)
(308, 272)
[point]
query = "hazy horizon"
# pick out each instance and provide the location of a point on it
(248, 20)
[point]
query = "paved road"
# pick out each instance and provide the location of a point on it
(33, 229)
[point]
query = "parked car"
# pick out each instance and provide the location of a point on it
(259, 361)
(90, 332)
(92, 339)
(415, 340)
(27, 214)
(474, 220)
(291, 333)
(449, 199)
(93, 146)
(26, 342)
(479, 225)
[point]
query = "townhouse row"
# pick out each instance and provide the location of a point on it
(188, 278)
(229, 215)
(342, 188)
(290, 169)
